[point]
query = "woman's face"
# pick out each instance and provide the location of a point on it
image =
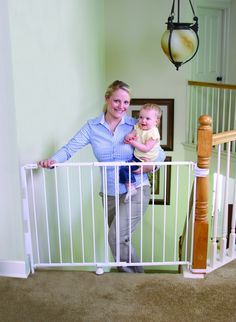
(118, 103)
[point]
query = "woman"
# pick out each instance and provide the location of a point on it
(108, 131)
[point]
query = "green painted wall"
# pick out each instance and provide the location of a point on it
(11, 230)
(57, 82)
(232, 44)
(58, 64)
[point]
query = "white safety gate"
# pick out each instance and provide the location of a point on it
(66, 224)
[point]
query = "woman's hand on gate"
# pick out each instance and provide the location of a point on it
(47, 163)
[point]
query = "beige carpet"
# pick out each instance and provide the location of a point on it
(55, 296)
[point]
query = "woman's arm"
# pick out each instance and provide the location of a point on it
(77, 142)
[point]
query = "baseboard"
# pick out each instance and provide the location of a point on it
(18, 269)
(189, 273)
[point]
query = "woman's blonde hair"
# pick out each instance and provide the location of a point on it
(117, 84)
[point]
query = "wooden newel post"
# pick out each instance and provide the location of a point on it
(204, 150)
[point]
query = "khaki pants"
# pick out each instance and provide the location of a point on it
(125, 225)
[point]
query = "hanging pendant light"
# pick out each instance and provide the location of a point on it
(180, 41)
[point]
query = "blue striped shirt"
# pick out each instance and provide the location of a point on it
(107, 147)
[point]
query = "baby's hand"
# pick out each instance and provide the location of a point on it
(129, 138)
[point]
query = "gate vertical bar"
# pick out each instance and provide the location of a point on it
(141, 219)
(164, 219)
(188, 218)
(46, 215)
(35, 215)
(70, 214)
(117, 205)
(130, 219)
(26, 216)
(81, 214)
(176, 211)
(93, 215)
(223, 240)
(233, 224)
(153, 232)
(58, 215)
(213, 247)
(105, 211)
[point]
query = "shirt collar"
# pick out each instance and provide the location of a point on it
(125, 120)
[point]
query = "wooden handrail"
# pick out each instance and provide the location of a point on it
(214, 85)
(223, 137)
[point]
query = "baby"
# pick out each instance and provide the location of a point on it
(145, 138)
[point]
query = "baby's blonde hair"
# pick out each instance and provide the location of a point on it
(154, 107)
(117, 84)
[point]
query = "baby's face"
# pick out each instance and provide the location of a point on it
(147, 119)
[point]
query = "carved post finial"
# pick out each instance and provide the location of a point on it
(204, 141)
(205, 120)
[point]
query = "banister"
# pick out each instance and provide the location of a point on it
(223, 137)
(204, 150)
(214, 85)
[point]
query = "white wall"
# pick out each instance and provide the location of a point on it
(56, 76)
(232, 44)
(58, 61)
(11, 232)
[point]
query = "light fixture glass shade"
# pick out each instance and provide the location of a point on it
(183, 44)
(180, 42)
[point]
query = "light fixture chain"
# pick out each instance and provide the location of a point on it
(178, 10)
(172, 13)
(192, 8)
